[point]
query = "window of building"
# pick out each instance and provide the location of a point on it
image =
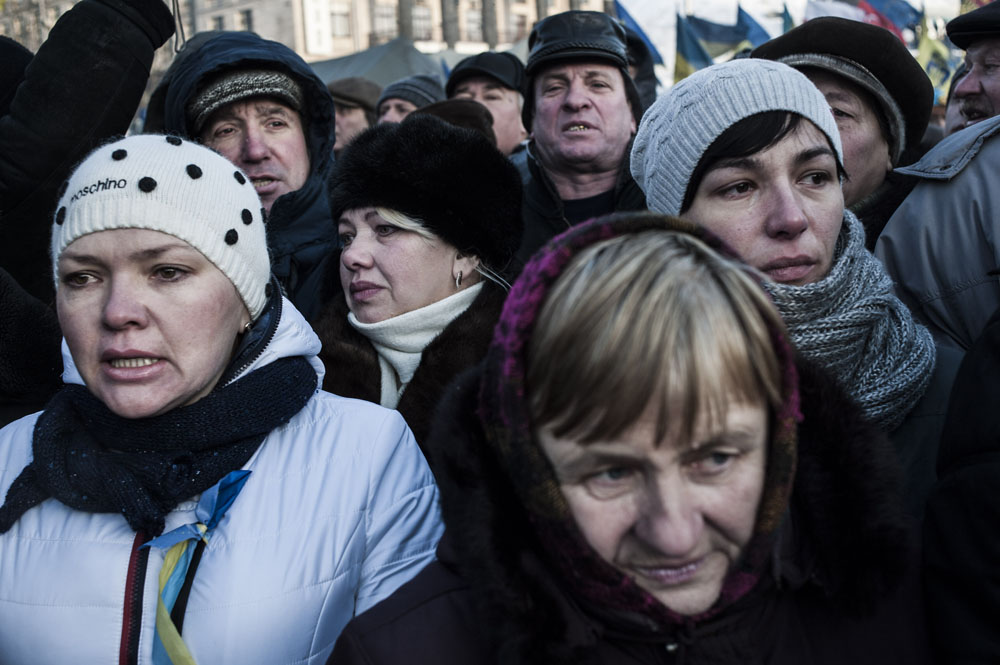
(423, 27)
(474, 25)
(340, 20)
(520, 26)
(218, 23)
(385, 22)
(246, 20)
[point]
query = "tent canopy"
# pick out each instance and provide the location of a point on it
(382, 64)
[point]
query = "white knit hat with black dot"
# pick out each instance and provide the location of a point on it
(167, 184)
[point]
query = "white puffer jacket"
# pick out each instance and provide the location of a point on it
(339, 510)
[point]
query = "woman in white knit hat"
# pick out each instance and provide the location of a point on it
(190, 495)
(750, 150)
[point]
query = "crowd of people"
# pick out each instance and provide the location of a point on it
(524, 365)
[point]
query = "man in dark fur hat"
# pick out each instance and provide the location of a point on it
(881, 99)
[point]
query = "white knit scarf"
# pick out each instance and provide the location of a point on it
(400, 341)
(851, 323)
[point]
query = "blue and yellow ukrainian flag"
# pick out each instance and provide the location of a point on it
(691, 55)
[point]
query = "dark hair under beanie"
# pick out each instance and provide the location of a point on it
(449, 178)
(14, 59)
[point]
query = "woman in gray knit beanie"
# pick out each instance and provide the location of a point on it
(750, 150)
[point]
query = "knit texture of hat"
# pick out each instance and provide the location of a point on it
(681, 125)
(419, 90)
(166, 184)
(241, 84)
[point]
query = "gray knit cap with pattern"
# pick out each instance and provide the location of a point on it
(232, 86)
(681, 125)
(166, 184)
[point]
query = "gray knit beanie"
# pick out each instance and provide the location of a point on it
(420, 90)
(166, 184)
(233, 86)
(681, 125)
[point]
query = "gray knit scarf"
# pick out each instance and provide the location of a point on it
(852, 324)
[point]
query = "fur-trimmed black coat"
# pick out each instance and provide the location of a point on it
(843, 589)
(352, 367)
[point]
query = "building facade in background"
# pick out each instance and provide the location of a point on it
(322, 29)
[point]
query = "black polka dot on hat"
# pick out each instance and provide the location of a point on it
(267, 290)
(147, 184)
(193, 171)
(63, 188)
(232, 236)
(247, 216)
(61, 216)
(173, 140)
(119, 155)
(239, 177)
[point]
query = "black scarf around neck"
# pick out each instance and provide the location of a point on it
(93, 460)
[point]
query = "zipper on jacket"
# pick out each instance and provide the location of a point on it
(128, 651)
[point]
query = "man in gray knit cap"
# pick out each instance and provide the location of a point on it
(401, 98)
(257, 103)
(582, 109)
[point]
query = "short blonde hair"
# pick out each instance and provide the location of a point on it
(655, 318)
(407, 223)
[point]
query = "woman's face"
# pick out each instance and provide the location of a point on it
(781, 209)
(672, 515)
(387, 271)
(150, 322)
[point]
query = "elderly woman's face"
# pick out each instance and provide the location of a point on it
(150, 322)
(672, 515)
(781, 209)
(387, 271)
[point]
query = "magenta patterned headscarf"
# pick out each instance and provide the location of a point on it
(505, 414)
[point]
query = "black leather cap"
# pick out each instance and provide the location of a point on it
(983, 23)
(577, 35)
(504, 67)
(867, 55)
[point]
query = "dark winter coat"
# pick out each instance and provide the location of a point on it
(962, 523)
(300, 233)
(352, 366)
(81, 88)
(30, 358)
(544, 216)
(875, 210)
(843, 589)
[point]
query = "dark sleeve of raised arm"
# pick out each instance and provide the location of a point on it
(82, 87)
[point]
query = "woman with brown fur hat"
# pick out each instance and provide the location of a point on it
(429, 216)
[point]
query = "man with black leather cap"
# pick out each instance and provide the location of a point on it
(495, 80)
(942, 245)
(879, 95)
(582, 110)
